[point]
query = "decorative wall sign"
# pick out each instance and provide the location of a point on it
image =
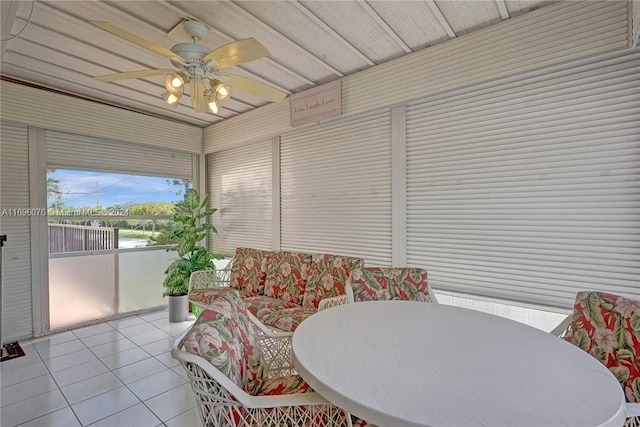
(320, 103)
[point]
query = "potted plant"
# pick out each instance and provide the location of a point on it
(191, 218)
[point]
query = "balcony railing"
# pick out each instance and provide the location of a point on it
(75, 238)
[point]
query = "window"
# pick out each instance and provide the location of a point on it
(100, 211)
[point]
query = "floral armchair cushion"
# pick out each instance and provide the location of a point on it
(376, 283)
(223, 335)
(287, 274)
(608, 327)
(248, 270)
(328, 276)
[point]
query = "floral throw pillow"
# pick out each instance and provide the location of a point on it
(248, 270)
(223, 335)
(287, 274)
(376, 284)
(608, 327)
(328, 276)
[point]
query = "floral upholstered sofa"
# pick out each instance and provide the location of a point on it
(282, 288)
(379, 284)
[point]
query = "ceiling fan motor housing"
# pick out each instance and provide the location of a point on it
(192, 54)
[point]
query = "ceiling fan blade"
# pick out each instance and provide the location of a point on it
(138, 40)
(132, 75)
(255, 88)
(196, 93)
(237, 53)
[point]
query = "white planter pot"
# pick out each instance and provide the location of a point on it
(178, 308)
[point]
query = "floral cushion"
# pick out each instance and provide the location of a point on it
(286, 319)
(375, 283)
(248, 270)
(287, 275)
(608, 327)
(260, 304)
(284, 385)
(223, 335)
(203, 297)
(328, 275)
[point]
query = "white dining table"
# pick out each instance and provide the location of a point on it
(405, 363)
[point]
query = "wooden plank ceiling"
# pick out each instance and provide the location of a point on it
(52, 43)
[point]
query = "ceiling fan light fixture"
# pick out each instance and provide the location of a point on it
(175, 82)
(171, 98)
(213, 106)
(221, 90)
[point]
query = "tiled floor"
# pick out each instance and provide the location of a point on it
(119, 373)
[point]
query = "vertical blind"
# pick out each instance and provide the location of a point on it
(335, 188)
(90, 153)
(16, 265)
(528, 190)
(239, 186)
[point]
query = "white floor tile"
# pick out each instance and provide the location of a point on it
(30, 356)
(136, 416)
(156, 315)
(104, 405)
(13, 376)
(103, 338)
(159, 347)
(180, 371)
(48, 352)
(112, 347)
(148, 338)
(174, 329)
(124, 358)
(132, 331)
(61, 418)
(90, 387)
(53, 339)
(156, 384)
(138, 370)
(168, 360)
(126, 322)
(27, 389)
(190, 418)
(69, 360)
(79, 373)
(87, 331)
(32, 408)
(173, 402)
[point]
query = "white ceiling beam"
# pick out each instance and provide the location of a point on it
(502, 7)
(441, 19)
(223, 35)
(331, 31)
(382, 23)
(284, 39)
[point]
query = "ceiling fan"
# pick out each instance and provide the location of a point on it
(199, 68)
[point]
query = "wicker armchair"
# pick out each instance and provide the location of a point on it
(607, 327)
(233, 384)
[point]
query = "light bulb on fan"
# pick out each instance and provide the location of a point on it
(221, 90)
(171, 98)
(175, 83)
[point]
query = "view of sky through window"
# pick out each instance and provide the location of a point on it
(77, 189)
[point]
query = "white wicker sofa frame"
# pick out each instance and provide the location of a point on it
(232, 384)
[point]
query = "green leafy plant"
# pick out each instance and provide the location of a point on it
(191, 226)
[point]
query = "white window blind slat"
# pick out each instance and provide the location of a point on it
(240, 186)
(17, 321)
(528, 191)
(65, 150)
(336, 188)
